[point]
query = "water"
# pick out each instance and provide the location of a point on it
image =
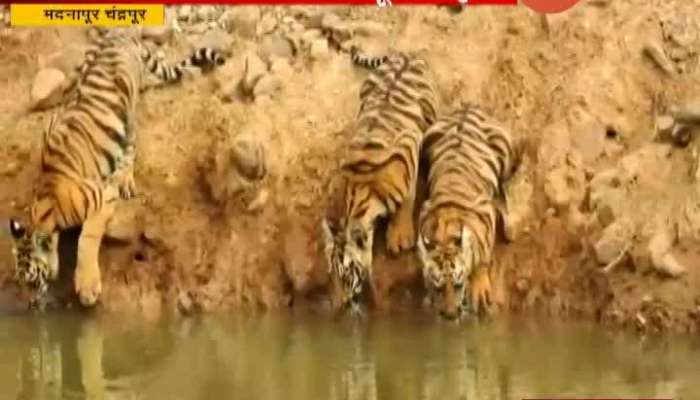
(314, 357)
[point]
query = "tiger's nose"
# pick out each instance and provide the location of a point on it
(449, 313)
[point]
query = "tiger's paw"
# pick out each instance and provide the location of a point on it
(480, 289)
(88, 284)
(127, 185)
(400, 237)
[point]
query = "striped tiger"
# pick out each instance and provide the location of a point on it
(469, 157)
(398, 102)
(87, 163)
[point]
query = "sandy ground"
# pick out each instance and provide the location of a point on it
(577, 87)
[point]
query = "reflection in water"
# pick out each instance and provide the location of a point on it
(302, 358)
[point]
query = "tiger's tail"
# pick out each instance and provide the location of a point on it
(365, 60)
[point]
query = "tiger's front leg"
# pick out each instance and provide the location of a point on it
(401, 234)
(480, 289)
(87, 279)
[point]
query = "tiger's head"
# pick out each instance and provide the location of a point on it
(36, 260)
(448, 260)
(349, 256)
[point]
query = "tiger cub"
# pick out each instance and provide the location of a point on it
(87, 163)
(469, 157)
(398, 102)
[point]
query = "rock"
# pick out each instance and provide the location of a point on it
(267, 24)
(311, 35)
(301, 262)
(370, 29)
(255, 68)
(47, 89)
(274, 46)
(158, 34)
(664, 127)
(206, 13)
(319, 49)
(267, 85)
(229, 78)
(656, 53)
(184, 13)
(662, 259)
(198, 29)
(330, 20)
(67, 60)
(280, 68)
(615, 239)
(247, 155)
(216, 39)
(126, 224)
(242, 20)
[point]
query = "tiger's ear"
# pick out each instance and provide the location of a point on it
(329, 230)
(17, 229)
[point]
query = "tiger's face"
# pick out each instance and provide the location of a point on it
(36, 260)
(447, 264)
(349, 257)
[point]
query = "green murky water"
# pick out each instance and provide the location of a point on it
(295, 358)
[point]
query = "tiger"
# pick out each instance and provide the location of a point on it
(398, 102)
(87, 163)
(469, 157)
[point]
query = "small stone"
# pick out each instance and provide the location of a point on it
(206, 13)
(215, 39)
(67, 60)
(655, 51)
(319, 49)
(258, 203)
(184, 12)
(311, 35)
(255, 68)
(242, 20)
(248, 157)
(126, 224)
(47, 89)
(370, 29)
(266, 86)
(280, 67)
(662, 258)
(184, 303)
(158, 34)
(267, 25)
(613, 242)
(276, 46)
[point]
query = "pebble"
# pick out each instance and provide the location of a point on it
(47, 89)
(370, 29)
(276, 46)
(662, 258)
(255, 68)
(612, 243)
(158, 34)
(311, 35)
(242, 20)
(267, 85)
(319, 49)
(249, 157)
(267, 25)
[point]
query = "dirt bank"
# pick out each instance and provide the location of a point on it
(606, 218)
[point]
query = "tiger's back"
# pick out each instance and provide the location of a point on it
(469, 157)
(398, 101)
(88, 151)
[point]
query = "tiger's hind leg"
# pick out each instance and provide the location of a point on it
(87, 280)
(401, 234)
(480, 289)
